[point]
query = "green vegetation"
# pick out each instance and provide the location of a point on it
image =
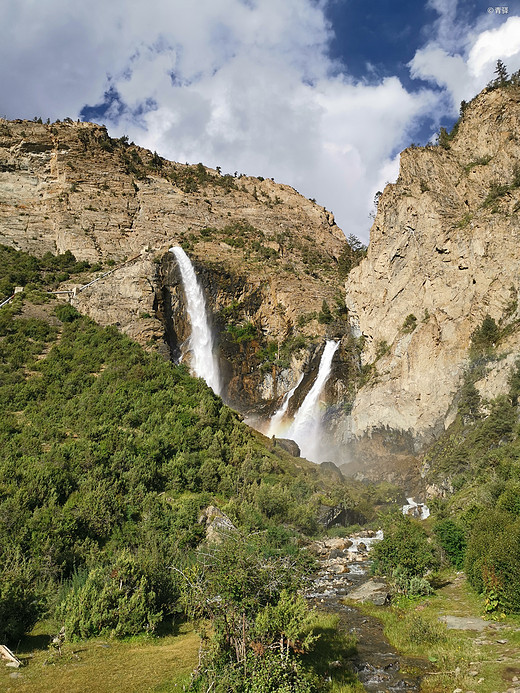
(324, 316)
(405, 555)
(409, 324)
(21, 269)
(482, 161)
(350, 256)
(97, 666)
(478, 526)
(485, 337)
(107, 450)
(258, 625)
(107, 456)
(189, 178)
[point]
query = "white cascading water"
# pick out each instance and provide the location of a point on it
(203, 362)
(304, 429)
(275, 425)
(418, 510)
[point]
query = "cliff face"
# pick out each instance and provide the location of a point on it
(268, 258)
(444, 252)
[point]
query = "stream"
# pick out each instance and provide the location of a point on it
(345, 567)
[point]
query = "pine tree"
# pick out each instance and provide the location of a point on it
(501, 74)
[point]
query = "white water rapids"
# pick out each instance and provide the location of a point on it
(203, 362)
(305, 429)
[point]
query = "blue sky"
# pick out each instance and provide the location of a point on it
(319, 94)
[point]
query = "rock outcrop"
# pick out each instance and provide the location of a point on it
(444, 252)
(268, 258)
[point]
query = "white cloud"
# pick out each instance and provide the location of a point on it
(467, 72)
(501, 43)
(244, 84)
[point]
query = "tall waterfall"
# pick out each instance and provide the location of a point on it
(204, 363)
(275, 425)
(305, 427)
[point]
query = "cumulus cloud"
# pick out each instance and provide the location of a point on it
(247, 85)
(466, 72)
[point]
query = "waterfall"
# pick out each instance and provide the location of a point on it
(305, 427)
(204, 363)
(275, 428)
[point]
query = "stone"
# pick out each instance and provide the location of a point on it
(289, 446)
(371, 591)
(464, 623)
(336, 553)
(217, 524)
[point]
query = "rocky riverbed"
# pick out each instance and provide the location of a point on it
(344, 574)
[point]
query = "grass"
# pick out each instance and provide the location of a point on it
(104, 666)
(336, 646)
(413, 628)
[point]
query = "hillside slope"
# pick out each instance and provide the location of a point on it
(269, 258)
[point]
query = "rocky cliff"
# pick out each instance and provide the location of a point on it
(268, 257)
(444, 252)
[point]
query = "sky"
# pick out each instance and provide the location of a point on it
(319, 94)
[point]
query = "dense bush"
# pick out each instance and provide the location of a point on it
(452, 539)
(259, 623)
(493, 559)
(20, 603)
(405, 548)
(116, 600)
(21, 269)
(107, 449)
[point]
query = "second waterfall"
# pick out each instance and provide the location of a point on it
(204, 362)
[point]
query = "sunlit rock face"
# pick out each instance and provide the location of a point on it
(444, 249)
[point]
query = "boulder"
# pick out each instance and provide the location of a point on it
(371, 591)
(217, 524)
(289, 446)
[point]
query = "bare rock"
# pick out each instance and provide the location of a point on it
(217, 524)
(289, 446)
(438, 254)
(371, 591)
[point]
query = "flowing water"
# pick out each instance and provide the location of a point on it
(379, 667)
(275, 425)
(203, 361)
(418, 510)
(305, 428)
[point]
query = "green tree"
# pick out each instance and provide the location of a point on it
(250, 599)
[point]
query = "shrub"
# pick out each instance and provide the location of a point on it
(410, 323)
(114, 600)
(414, 586)
(452, 539)
(324, 316)
(422, 631)
(493, 559)
(485, 336)
(405, 547)
(19, 603)
(66, 313)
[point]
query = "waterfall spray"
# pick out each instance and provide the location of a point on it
(305, 428)
(204, 363)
